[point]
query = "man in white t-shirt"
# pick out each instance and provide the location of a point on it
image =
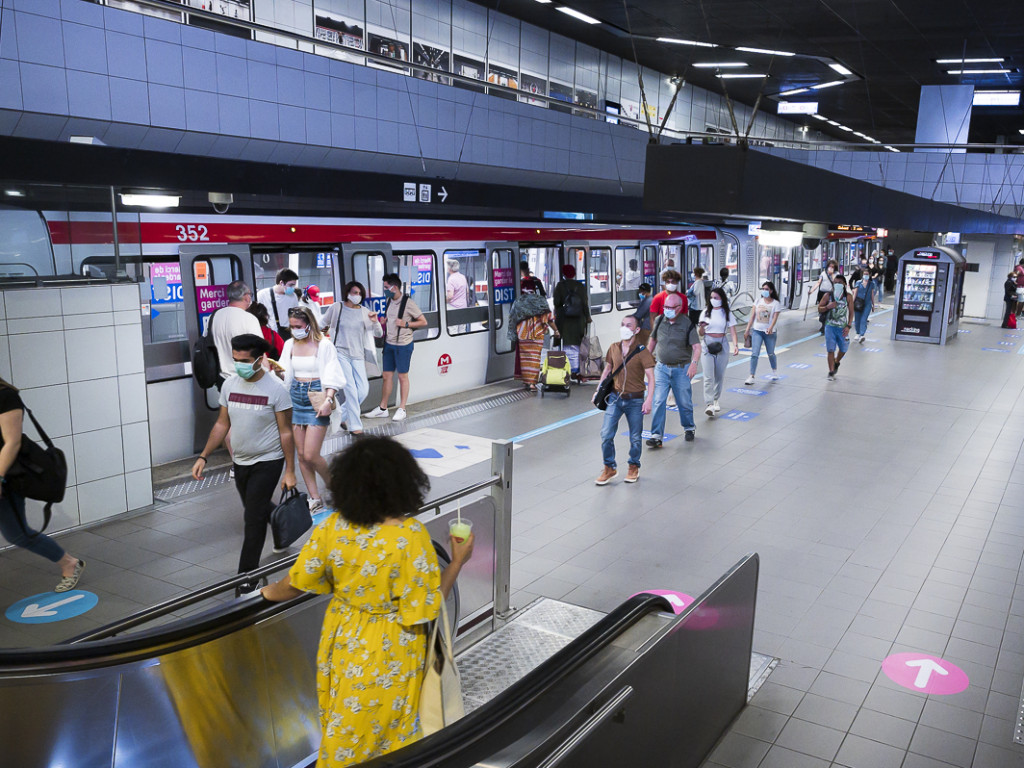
(278, 299)
(256, 408)
(230, 321)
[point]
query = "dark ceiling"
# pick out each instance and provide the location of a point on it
(890, 45)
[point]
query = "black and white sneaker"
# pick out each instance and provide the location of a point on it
(690, 434)
(837, 366)
(831, 375)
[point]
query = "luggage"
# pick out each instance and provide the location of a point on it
(555, 373)
(290, 518)
(591, 356)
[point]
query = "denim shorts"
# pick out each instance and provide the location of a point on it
(397, 357)
(834, 338)
(303, 413)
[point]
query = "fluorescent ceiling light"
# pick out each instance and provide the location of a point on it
(845, 128)
(765, 51)
(544, 2)
(728, 76)
(720, 64)
(150, 200)
(677, 41)
(14, 192)
(831, 84)
(994, 60)
(840, 68)
(891, 149)
(578, 15)
(1021, 130)
(797, 107)
(832, 122)
(858, 133)
(820, 117)
(996, 98)
(780, 239)
(794, 91)
(1002, 71)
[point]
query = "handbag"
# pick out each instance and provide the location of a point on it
(859, 304)
(441, 694)
(607, 385)
(290, 518)
(317, 399)
(714, 347)
(39, 473)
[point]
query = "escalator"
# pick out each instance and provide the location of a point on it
(234, 686)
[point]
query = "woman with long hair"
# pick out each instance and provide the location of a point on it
(348, 321)
(379, 566)
(13, 523)
(310, 369)
(764, 316)
(715, 323)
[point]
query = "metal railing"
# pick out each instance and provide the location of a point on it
(499, 483)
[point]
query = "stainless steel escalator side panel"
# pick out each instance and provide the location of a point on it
(689, 681)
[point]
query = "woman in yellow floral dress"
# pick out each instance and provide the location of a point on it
(380, 567)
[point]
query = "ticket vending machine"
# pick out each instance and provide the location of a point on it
(928, 295)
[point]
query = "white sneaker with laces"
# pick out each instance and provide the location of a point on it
(717, 407)
(775, 376)
(750, 380)
(709, 409)
(376, 413)
(400, 415)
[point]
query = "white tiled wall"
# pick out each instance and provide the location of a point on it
(76, 355)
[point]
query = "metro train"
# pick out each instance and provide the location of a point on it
(179, 260)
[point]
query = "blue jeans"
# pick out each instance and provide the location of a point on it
(356, 389)
(633, 411)
(14, 528)
(757, 338)
(860, 320)
(676, 379)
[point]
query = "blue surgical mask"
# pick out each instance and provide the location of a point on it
(766, 294)
(247, 370)
(300, 333)
(839, 290)
(671, 314)
(289, 290)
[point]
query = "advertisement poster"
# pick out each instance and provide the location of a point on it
(389, 47)
(504, 288)
(585, 98)
(335, 30)
(466, 67)
(562, 93)
(532, 84)
(209, 298)
(165, 283)
(424, 267)
(509, 78)
(435, 58)
(233, 9)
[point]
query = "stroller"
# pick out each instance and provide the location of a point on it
(555, 373)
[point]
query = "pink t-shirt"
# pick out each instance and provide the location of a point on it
(457, 289)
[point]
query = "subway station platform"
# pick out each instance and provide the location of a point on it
(886, 506)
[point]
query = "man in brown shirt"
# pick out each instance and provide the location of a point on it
(629, 399)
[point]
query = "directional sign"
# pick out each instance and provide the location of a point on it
(47, 607)
(800, 366)
(924, 673)
(735, 415)
(443, 194)
(748, 391)
(995, 349)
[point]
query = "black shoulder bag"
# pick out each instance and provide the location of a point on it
(607, 385)
(39, 473)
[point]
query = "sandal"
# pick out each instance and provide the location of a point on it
(70, 582)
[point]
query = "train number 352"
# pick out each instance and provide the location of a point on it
(192, 233)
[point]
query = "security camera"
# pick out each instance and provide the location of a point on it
(220, 201)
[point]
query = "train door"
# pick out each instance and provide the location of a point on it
(670, 256)
(206, 273)
(502, 290)
(368, 263)
(649, 265)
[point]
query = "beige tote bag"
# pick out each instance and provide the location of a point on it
(441, 695)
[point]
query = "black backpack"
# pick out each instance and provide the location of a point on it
(39, 473)
(205, 360)
(572, 304)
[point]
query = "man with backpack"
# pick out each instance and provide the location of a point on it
(230, 321)
(401, 318)
(572, 315)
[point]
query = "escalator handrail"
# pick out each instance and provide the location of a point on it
(198, 595)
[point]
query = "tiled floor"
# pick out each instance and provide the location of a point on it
(887, 508)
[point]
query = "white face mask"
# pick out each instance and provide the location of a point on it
(300, 333)
(671, 287)
(839, 290)
(715, 302)
(355, 298)
(625, 333)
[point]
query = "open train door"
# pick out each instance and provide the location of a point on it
(206, 272)
(502, 290)
(367, 263)
(649, 265)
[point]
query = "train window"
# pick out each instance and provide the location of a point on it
(314, 268)
(418, 270)
(599, 280)
(649, 263)
(162, 293)
(465, 290)
(670, 256)
(628, 276)
(543, 262)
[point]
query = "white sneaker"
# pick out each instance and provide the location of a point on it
(710, 409)
(774, 376)
(315, 505)
(400, 415)
(750, 380)
(717, 407)
(376, 413)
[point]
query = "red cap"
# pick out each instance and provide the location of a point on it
(313, 292)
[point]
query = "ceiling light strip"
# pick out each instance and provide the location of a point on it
(577, 14)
